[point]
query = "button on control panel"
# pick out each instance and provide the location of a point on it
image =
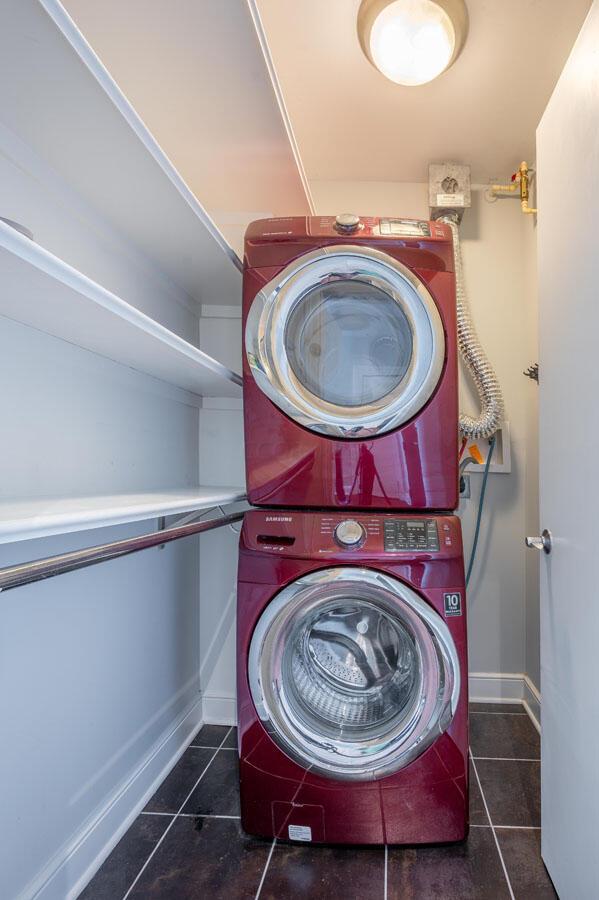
(411, 534)
(349, 533)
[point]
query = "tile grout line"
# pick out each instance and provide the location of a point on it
(189, 815)
(205, 747)
(501, 859)
(174, 819)
(266, 865)
(508, 758)
(386, 870)
(510, 827)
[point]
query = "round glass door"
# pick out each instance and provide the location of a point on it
(346, 341)
(352, 673)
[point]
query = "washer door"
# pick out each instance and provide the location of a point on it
(352, 673)
(346, 341)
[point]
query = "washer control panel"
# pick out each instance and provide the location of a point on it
(358, 535)
(410, 534)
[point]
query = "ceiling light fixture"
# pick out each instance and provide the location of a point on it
(412, 41)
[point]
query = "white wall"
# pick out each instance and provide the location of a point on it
(99, 669)
(221, 462)
(497, 249)
(99, 674)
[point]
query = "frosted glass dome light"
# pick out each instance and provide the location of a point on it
(411, 42)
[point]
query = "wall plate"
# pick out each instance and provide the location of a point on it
(501, 461)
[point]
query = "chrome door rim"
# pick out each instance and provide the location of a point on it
(268, 359)
(354, 760)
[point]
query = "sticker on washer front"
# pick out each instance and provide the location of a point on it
(300, 833)
(453, 604)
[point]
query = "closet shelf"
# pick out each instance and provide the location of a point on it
(42, 291)
(41, 517)
(59, 99)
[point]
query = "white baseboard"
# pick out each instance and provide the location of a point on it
(532, 702)
(506, 687)
(219, 710)
(496, 687)
(72, 868)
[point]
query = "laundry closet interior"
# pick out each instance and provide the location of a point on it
(185, 186)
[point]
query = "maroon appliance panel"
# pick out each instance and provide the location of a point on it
(411, 467)
(426, 801)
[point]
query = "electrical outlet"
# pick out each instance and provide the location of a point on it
(465, 487)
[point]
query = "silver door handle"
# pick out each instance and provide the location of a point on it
(540, 543)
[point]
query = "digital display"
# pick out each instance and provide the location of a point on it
(405, 228)
(411, 534)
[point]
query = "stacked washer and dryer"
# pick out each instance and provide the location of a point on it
(352, 657)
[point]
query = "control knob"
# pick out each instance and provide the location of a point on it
(349, 534)
(347, 223)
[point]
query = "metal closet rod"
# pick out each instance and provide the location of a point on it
(39, 569)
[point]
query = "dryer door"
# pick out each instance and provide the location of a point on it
(352, 673)
(346, 341)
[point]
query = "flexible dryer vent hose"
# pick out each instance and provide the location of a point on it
(491, 415)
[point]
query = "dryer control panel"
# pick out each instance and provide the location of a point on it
(418, 243)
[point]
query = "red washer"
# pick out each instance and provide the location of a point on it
(350, 364)
(352, 678)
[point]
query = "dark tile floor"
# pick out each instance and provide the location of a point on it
(187, 843)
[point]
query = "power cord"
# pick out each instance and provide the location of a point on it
(480, 509)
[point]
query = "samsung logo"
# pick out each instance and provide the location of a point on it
(279, 518)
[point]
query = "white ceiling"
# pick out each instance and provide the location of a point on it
(195, 72)
(351, 123)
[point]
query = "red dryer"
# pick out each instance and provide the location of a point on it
(350, 364)
(352, 677)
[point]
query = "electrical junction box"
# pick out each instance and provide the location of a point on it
(448, 189)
